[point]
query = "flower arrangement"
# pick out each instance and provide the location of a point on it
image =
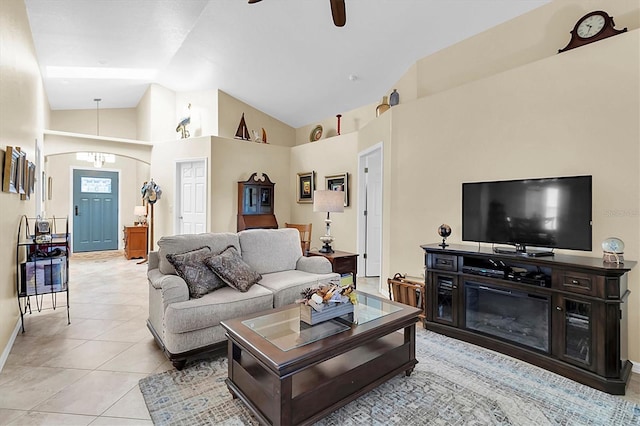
(328, 295)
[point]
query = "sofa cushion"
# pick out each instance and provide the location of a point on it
(270, 250)
(287, 285)
(183, 243)
(314, 265)
(191, 267)
(209, 310)
(230, 267)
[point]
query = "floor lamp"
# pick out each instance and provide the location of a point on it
(151, 193)
(152, 224)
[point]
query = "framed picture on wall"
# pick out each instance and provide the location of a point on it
(306, 186)
(30, 180)
(339, 183)
(20, 173)
(10, 172)
(25, 178)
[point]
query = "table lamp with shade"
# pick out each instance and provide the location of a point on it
(141, 212)
(330, 202)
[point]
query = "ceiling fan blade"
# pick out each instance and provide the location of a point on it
(254, 1)
(339, 13)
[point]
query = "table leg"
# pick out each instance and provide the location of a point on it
(233, 394)
(410, 337)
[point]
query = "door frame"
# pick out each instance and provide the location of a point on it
(176, 191)
(38, 178)
(70, 214)
(361, 220)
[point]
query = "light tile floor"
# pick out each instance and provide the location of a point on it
(87, 372)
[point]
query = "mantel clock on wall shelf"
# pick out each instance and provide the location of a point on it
(593, 26)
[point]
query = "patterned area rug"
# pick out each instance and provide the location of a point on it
(455, 383)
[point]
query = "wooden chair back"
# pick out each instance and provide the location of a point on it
(305, 234)
(409, 292)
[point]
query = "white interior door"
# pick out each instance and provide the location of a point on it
(370, 215)
(191, 194)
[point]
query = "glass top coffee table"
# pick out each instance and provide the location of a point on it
(288, 372)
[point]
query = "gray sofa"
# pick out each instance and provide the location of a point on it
(184, 326)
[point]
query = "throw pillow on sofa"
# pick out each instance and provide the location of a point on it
(230, 267)
(191, 268)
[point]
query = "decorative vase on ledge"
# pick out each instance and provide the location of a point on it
(382, 107)
(394, 98)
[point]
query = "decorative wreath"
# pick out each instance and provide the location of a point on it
(151, 192)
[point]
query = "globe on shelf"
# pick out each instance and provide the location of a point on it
(444, 231)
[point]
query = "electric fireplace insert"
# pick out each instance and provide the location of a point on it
(516, 316)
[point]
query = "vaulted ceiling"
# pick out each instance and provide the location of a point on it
(284, 57)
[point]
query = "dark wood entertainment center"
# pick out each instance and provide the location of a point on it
(566, 314)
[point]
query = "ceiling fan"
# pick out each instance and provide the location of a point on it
(337, 11)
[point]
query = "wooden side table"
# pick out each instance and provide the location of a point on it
(135, 242)
(342, 262)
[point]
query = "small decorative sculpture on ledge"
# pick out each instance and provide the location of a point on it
(444, 231)
(243, 131)
(182, 125)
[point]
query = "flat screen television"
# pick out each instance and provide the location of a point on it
(548, 212)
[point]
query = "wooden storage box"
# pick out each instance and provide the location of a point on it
(332, 310)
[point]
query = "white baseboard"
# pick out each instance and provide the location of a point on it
(636, 367)
(7, 349)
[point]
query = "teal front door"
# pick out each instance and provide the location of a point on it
(95, 210)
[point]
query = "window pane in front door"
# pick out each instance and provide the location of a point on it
(95, 185)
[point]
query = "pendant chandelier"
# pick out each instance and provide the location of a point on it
(98, 159)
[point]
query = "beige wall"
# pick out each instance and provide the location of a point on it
(407, 86)
(326, 157)
(63, 144)
(228, 162)
(523, 40)
(23, 113)
(156, 118)
(230, 111)
(143, 116)
(132, 162)
(378, 131)
(213, 113)
(351, 121)
(233, 161)
(163, 172)
(114, 122)
(536, 112)
(204, 112)
(418, 153)
(569, 114)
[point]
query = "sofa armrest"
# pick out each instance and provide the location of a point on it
(152, 260)
(314, 265)
(174, 289)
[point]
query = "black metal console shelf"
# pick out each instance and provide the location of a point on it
(567, 314)
(42, 263)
